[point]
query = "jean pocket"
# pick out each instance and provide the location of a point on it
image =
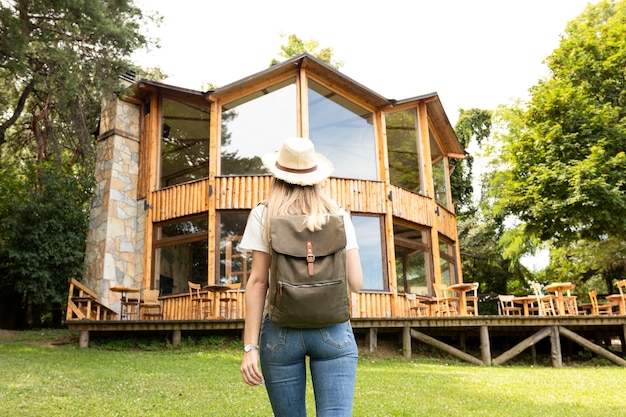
(272, 337)
(338, 335)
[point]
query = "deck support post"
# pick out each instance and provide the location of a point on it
(83, 339)
(176, 338)
(622, 338)
(406, 342)
(372, 339)
(485, 346)
(555, 351)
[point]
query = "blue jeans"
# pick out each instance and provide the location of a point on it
(333, 358)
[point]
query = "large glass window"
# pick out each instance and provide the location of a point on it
(401, 127)
(447, 261)
(439, 171)
(343, 132)
(255, 125)
(234, 264)
(369, 236)
(184, 142)
(412, 256)
(181, 254)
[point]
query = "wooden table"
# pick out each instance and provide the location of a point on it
(216, 289)
(558, 288)
(525, 301)
(617, 298)
(462, 290)
(124, 291)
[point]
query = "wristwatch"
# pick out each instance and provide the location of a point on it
(248, 348)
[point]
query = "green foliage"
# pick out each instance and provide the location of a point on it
(564, 155)
(43, 225)
(56, 59)
(473, 124)
(296, 46)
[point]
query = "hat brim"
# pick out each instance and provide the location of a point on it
(324, 170)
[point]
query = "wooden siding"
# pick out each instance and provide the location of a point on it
(412, 207)
(180, 200)
(364, 305)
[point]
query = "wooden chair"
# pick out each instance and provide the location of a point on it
(228, 301)
(571, 305)
(415, 307)
(597, 308)
(506, 306)
(237, 264)
(150, 308)
(446, 305)
(130, 305)
(472, 300)
(621, 286)
(199, 303)
(545, 303)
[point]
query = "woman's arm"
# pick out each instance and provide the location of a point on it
(355, 271)
(256, 289)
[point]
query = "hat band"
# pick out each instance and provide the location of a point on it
(296, 171)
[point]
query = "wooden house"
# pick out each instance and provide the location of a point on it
(178, 171)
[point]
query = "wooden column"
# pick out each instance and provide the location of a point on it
(406, 342)
(555, 350)
(485, 345)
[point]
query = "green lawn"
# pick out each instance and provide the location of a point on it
(42, 376)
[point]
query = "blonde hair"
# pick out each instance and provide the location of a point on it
(284, 199)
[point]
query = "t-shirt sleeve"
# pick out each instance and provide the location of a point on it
(254, 235)
(351, 242)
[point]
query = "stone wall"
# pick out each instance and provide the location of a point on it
(114, 247)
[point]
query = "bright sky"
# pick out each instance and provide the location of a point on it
(473, 53)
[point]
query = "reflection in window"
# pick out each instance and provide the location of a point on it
(184, 142)
(402, 148)
(343, 132)
(411, 254)
(447, 261)
(368, 234)
(234, 265)
(255, 125)
(439, 171)
(181, 254)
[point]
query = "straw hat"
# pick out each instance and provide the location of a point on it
(297, 163)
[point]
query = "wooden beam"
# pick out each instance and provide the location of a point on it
(424, 338)
(598, 350)
(523, 345)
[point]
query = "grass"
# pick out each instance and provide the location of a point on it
(44, 373)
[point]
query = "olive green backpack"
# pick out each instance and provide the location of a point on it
(308, 278)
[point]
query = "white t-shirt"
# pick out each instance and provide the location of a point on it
(255, 235)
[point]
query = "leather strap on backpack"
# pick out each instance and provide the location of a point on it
(310, 258)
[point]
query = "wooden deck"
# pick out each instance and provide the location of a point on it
(496, 338)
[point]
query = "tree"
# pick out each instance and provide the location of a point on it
(566, 156)
(563, 159)
(295, 46)
(473, 124)
(57, 58)
(43, 229)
